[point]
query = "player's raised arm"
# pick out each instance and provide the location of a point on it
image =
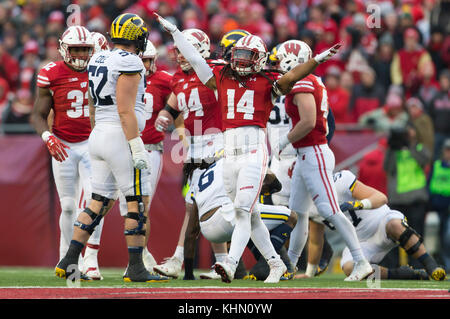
(287, 81)
(38, 120)
(197, 62)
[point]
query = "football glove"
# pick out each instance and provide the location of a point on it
(168, 26)
(351, 205)
(55, 146)
(327, 54)
(138, 153)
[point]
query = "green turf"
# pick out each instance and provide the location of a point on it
(44, 277)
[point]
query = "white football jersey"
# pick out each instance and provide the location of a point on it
(279, 124)
(366, 221)
(104, 69)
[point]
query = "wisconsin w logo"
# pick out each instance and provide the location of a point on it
(200, 37)
(293, 48)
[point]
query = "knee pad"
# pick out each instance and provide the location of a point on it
(406, 235)
(139, 217)
(96, 218)
(68, 205)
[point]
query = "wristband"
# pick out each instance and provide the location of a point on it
(136, 145)
(367, 204)
(46, 135)
(171, 111)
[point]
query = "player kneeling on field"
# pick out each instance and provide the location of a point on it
(379, 230)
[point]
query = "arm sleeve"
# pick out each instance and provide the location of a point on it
(197, 62)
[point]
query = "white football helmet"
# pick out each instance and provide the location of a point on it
(100, 42)
(76, 36)
(150, 53)
(249, 55)
(200, 41)
(293, 52)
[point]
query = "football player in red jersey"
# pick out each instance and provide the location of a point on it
(203, 126)
(63, 88)
(312, 178)
(245, 95)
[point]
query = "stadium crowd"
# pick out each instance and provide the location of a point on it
(392, 74)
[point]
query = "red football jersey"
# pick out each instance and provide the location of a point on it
(244, 106)
(310, 84)
(156, 94)
(70, 100)
(198, 103)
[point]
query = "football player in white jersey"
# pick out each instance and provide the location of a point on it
(379, 229)
(117, 111)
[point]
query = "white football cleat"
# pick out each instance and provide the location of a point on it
(210, 275)
(149, 261)
(226, 270)
(93, 273)
(360, 271)
(171, 267)
(277, 269)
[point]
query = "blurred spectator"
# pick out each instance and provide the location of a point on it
(429, 86)
(422, 123)
(405, 164)
(18, 111)
(440, 16)
(389, 116)
(338, 97)
(29, 66)
(9, 68)
(367, 95)
(371, 170)
(382, 59)
(407, 61)
(347, 81)
(4, 93)
(439, 187)
(436, 47)
(439, 112)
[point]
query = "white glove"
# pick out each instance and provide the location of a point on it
(161, 123)
(327, 54)
(281, 145)
(138, 153)
(168, 26)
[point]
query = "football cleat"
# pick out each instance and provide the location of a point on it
(277, 269)
(287, 276)
(438, 274)
(210, 275)
(144, 276)
(61, 273)
(93, 273)
(361, 270)
(171, 267)
(250, 277)
(226, 271)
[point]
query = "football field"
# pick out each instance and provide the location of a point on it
(41, 283)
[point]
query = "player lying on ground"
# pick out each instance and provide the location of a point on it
(379, 230)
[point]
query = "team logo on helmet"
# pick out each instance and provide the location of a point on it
(201, 43)
(293, 52)
(76, 37)
(129, 28)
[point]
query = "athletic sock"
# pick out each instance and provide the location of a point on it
(404, 273)
(189, 269)
(348, 233)
(428, 262)
(299, 236)
(261, 238)
(279, 235)
(240, 236)
(73, 253)
(220, 257)
(135, 256)
(179, 253)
